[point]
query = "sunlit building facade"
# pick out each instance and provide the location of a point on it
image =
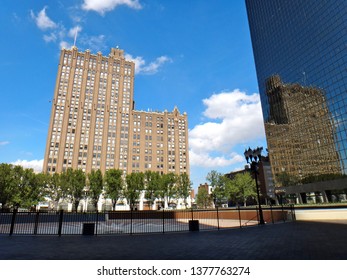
(94, 124)
(301, 57)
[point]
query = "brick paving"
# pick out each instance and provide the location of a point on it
(323, 240)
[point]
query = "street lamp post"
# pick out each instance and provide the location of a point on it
(85, 200)
(253, 157)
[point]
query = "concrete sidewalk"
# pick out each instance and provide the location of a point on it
(325, 240)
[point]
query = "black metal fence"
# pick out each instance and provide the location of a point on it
(136, 222)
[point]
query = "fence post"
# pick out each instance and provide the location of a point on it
(238, 207)
(163, 221)
(256, 209)
(284, 220)
(192, 213)
(97, 222)
(61, 213)
(14, 213)
(131, 221)
(293, 212)
(272, 215)
(217, 217)
(36, 222)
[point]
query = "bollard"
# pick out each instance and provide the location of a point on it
(88, 228)
(194, 225)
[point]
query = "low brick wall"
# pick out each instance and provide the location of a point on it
(273, 215)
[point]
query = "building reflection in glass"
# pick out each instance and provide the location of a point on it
(304, 42)
(299, 131)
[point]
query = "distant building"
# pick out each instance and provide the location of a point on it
(205, 187)
(94, 124)
(265, 179)
(204, 197)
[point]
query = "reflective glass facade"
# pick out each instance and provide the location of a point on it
(301, 60)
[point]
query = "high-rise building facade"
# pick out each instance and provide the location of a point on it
(94, 124)
(300, 56)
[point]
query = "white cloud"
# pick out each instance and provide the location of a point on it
(3, 143)
(65, 45)
(103, 6)
(52, 37)
(206, 160)
(64, 37)
(74, 31)
(94, 43)
(42, 20)
(155, 65)
(35, 164)
(151, 68)
(235, 118)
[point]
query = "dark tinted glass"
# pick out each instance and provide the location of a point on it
(301, 60)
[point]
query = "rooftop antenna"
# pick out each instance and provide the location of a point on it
(74, 42)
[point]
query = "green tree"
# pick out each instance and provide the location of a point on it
(38, 188)
(8, 187)
(57, 188)
(242, 187)
(168, 188)
(183, 186)
(24, 177)
(28, 188)
(95, 179)
(152, 183)
(219, 191)
(203, 199)
(75, 182)
(218, 183)
(213, 177)
(19, 187)
(113, 185)
(135, 183)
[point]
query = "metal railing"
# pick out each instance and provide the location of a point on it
(136, 222)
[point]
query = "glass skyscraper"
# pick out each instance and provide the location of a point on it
(301, 62)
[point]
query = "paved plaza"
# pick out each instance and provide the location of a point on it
(284, 241)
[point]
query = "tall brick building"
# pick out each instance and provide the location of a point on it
(94, 124)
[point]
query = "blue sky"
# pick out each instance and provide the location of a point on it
(195, 55)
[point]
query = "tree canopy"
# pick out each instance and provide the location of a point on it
(96, 185)
(241, 188)
(114, 185)
(21, 187)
